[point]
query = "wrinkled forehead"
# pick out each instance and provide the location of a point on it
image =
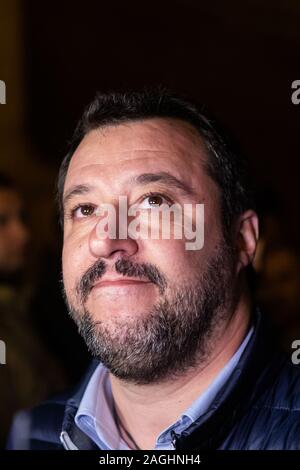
(169, 142)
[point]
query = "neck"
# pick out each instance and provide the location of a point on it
(146, 410)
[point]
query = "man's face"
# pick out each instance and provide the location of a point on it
(13, 232)
(163, 277)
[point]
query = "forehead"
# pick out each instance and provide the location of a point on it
(153, 144)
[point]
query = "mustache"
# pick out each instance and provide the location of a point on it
(122, 266)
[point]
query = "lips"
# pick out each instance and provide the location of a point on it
(120, 281)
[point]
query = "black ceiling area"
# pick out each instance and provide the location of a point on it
(237, 58)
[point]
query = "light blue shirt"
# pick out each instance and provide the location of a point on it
(95, 415)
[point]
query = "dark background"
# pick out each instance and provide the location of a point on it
(238, 58)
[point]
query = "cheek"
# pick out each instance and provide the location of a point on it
(73, 263)
(177, 262)
(67, 269)
(172, 259)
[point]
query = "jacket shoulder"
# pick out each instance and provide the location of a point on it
(272, 421)
(38, 428)
(284, 393)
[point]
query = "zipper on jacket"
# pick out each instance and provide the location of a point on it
(66, 441)
(174, 438)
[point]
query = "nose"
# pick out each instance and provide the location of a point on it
(108, 246)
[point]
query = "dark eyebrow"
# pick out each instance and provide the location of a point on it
(142, 179)
(77, 191)
(166, 178)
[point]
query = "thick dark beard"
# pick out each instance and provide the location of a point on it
(176, 335)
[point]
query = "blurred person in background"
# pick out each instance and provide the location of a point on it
(278, 289)
(20, 378)
(277, 264)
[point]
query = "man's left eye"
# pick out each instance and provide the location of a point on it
(84, 210)
(153, 201)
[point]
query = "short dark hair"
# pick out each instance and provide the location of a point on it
(226, 166)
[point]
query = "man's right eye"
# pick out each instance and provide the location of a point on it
(82, 211)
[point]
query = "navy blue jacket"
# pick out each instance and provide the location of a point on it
(258, 408)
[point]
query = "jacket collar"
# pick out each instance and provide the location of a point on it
(71, 437)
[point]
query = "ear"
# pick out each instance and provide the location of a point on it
(247, 233)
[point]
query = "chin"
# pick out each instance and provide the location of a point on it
(108, 310)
